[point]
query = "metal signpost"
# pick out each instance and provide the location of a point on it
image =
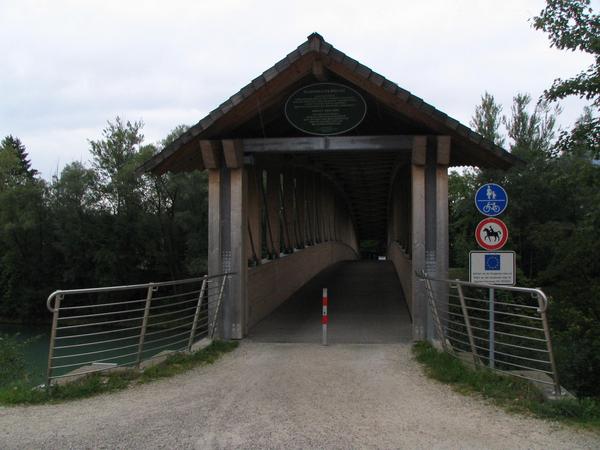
(491, 266)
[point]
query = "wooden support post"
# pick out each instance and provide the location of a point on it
(301, 208)
(254, 245)
(273, 206)
(309, 211)
(235, 308)
(215, 260)
(419, 300)
(442, 240)
(214, 222)
(288, 204)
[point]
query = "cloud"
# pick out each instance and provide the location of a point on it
(69, 65)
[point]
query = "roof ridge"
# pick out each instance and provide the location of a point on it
(316, 43)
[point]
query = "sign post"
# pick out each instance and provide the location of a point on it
(498, 267)
(491, 335)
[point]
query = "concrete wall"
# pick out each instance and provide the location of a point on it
(272, 283)
(403, 266)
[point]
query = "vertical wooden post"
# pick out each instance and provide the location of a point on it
(273, 187)
(254, 246)
(301, 209)
(309, 193)
(235, 309)
(442, 241)
(288, 203)
(215, 261)
(214, 222)
(419, 304)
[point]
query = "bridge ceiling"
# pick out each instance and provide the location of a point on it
(363, 178)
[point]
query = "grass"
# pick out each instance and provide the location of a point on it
(512, 394)
(100, 383)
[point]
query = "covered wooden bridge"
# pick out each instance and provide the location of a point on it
(312, 158)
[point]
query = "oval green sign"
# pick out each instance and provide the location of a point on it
(325, 109)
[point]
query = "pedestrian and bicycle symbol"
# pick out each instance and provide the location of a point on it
(491, 199)
(491, 234)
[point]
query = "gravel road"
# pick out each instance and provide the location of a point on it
(266, 395)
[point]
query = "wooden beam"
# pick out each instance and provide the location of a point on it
(234, 153)
(318, 70)
(443, 150)
(419, 150)
(334, 143)
(211, 153)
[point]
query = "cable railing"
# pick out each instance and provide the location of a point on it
(122, 326)
(502, 327)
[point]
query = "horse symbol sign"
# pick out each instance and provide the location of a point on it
(491, 199)
(491, 234)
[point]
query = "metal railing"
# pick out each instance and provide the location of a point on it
(502, 327)
(99, 328)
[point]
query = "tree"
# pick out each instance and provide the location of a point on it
(487, 119)
(573, 25)
(21, 171)
(115, 158)
(532, 134)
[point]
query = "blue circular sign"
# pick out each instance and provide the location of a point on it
(491, 200)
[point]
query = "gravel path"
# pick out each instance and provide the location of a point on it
(266, 395)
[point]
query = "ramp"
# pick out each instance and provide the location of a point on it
(366, 306)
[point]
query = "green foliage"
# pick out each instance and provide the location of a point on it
(513, 394)
(553, 218)
(98, 225)
(573, 25)
(21, 166)
(99, 383)
(12, 362)
(487, 119)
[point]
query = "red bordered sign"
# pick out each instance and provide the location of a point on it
(491, 234)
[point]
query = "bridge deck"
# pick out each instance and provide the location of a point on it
(366, 305)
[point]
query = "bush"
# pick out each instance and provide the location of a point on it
(12, 361)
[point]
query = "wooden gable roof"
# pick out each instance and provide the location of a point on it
(310, 61)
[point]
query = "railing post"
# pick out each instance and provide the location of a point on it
(214, 321)
(463, 306)
(151, 289)
(196, 315)
(543, 303)
(434, 311)
(55, 313)
(491, 334)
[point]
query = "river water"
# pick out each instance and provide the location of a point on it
(38, 340)
(36, 350)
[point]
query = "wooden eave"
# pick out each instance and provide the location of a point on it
(273, 85)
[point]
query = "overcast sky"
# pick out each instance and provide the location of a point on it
(69, 66)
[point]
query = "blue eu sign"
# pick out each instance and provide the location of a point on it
(491, 200)
(492, 262)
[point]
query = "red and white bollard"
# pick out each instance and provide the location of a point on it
(325, 317)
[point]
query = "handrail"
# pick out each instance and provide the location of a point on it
(517, 328)
(128, 287)
(83, 328)
(536, 291)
